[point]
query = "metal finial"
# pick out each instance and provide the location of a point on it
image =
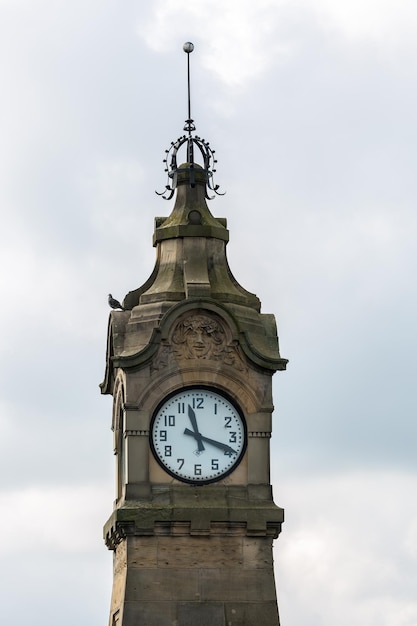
(204, 147)
(188, 47)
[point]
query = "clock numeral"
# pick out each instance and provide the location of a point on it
(198, 403)
(214, 464)
(181, 407)
(215, 408)
(229, 453)
(169, 420)
(168, 451)
(181, 463)
(197, 470)
(227, 420)
(163, 435)
(232, 438)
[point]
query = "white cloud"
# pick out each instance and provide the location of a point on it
(45, 518)
(113, 190)
(240, 39)
(410, 538)
(381, 21)
(347, 552)
(49, 287)
(231, 48)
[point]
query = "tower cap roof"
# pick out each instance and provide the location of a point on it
(190, 216)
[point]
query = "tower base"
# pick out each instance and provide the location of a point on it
(174, 579)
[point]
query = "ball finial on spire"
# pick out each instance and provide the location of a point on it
(188, 47)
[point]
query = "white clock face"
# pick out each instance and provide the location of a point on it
(198, 435)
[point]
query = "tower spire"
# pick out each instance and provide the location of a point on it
(188, 47)
(191, 141)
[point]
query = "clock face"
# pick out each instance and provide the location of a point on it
(198, 435)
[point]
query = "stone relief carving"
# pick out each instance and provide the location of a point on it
(162, 358)
(234, 358)
(201, 337)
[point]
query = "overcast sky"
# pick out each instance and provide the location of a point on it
(311, 107)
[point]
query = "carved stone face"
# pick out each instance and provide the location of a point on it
(199, 336)
(197, 341)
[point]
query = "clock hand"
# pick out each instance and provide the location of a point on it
(196, 433)
(217, 444)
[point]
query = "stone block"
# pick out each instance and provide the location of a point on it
(260, 492)
(142, 552)
(259, 422)
(250, 614)
(237, 585)
(120, 558)
(201, 614)
(136, 419)
(150, 613)
(202, 552)
(162, 585)
(118, 592)
(257, 553)
(258, 460)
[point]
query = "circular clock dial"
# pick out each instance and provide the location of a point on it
(198, 435)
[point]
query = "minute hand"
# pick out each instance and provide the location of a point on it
(197, 435)
(217, 444)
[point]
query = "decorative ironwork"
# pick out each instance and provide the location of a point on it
(191, 141)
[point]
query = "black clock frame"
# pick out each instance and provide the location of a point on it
(227, 397)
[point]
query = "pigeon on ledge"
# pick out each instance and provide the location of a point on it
(113, 303)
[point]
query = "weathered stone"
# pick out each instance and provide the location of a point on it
(201, 613)
(186, 554)
(261, 613)
(237, 585)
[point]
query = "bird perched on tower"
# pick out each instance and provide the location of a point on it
(113, 303)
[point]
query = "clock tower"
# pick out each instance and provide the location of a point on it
(190, 361)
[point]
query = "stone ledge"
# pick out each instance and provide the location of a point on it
(252, 520)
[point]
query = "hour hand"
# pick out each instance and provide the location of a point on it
(196, 432)
(218, 444)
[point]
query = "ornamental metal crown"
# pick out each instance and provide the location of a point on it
(192, 143)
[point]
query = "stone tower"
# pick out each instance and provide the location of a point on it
(189, 364)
